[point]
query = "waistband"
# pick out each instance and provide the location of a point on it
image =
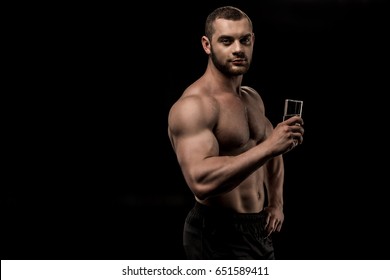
(203, 211)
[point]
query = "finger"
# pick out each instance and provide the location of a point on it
(270, 230)
(297, 130)
(275, 227)
(295, 120)
(272, 226)
(267, 220)
(279, 227)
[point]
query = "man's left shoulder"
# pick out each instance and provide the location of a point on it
(250, 91)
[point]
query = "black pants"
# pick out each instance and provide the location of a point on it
(223, 234)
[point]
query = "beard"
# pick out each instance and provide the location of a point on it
(226, 68)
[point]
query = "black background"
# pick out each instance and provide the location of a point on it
(92, 174)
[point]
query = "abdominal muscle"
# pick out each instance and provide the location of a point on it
(248, 197)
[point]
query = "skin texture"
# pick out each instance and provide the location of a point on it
(228, 151)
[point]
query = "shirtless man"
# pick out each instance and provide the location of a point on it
(228, 151)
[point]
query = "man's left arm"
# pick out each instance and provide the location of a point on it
(274, 180)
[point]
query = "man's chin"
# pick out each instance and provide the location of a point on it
(238, 72)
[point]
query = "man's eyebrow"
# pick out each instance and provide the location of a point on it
(225, 37)
(243, 36)
(230, 37)
(247, 35)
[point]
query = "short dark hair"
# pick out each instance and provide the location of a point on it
(225, 12)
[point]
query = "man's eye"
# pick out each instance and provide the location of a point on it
(246, 40)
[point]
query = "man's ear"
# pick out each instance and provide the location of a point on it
(206, 44)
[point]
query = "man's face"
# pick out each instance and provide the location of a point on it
(232, 46)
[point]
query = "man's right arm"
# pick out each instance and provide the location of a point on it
(191, 122)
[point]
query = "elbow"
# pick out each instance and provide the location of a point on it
(201, 191)
(201, 194)
(203, 187)
(198, 190)
(195, 184)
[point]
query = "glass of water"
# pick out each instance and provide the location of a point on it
(292, 108)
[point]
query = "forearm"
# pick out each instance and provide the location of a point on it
(220, 174)
(274, 181)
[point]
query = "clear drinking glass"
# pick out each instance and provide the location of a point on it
(292, 108)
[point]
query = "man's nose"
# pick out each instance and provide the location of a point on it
(237, 46)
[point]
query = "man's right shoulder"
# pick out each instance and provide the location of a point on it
(194, 103)
(195, 97)
(194, 107)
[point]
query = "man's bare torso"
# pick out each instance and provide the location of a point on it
(240, 125)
